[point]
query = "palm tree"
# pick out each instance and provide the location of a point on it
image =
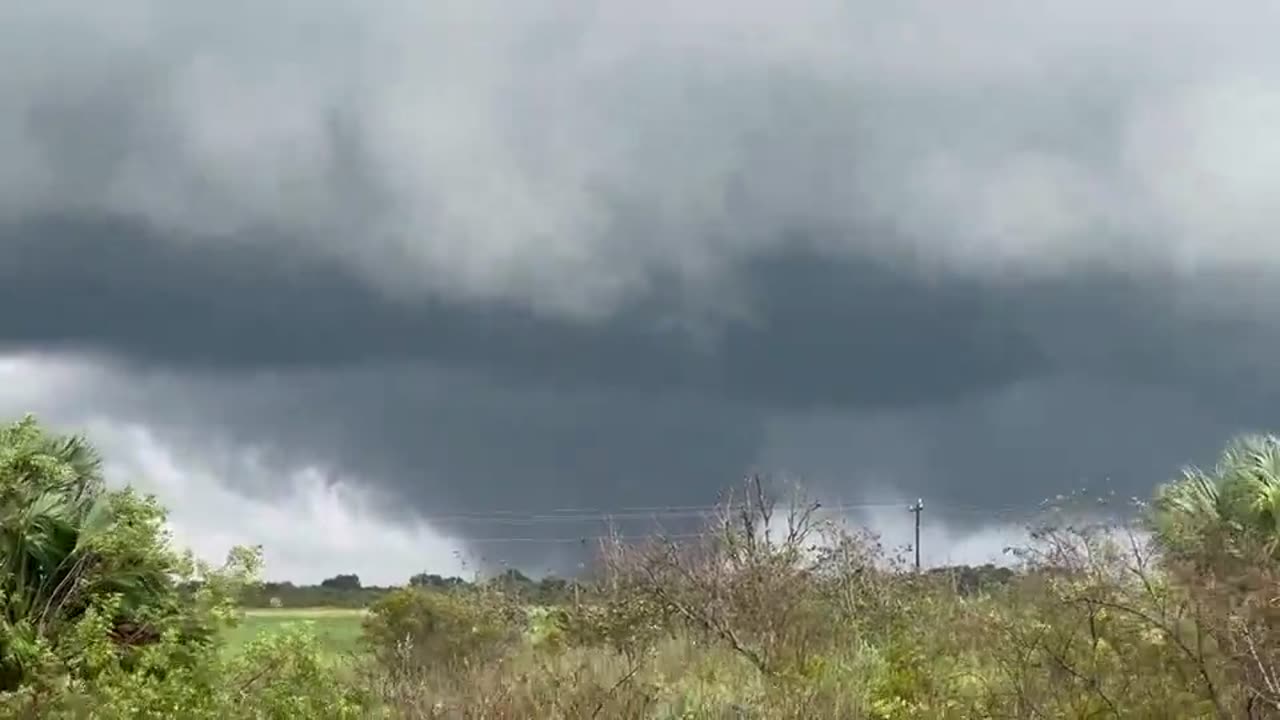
(62, 544)
(50, 492)
(1238, 500)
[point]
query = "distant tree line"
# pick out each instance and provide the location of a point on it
(974, 579)
(346, 590)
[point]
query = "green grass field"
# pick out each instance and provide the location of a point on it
(338, 629)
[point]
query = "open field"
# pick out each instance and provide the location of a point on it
(338, 629)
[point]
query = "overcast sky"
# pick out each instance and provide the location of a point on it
(348, 278)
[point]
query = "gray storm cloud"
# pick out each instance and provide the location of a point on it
(563, 154)
(491, 255)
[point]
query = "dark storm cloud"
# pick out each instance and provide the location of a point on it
(868, 380)
(817, 329)
(956, 388)
(998, 456)
(438, 444)
(485, 255)
(817, 332)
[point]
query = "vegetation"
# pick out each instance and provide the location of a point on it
(772, 613)
(337, 630)
(335, 593)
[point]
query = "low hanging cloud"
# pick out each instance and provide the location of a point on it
(315, 527)
(312, 525)
(457, 258)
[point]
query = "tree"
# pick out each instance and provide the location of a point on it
(342, 582)
(432, 580)
(70, 549)
(1238, 501)
(66, 542)
(512, 581)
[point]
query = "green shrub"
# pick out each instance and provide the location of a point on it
(76, 555)
(101, 617)
(413, 629)
(626, 623)
(276, 677)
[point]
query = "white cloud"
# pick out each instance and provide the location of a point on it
(311, 525)
(311, 528)
(941, 542)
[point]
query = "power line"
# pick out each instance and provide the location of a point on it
(512, 517)
(580, 539)
(576, 511)
(656, 513)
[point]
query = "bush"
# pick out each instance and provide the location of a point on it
(75, 555)
(413, 629)
(751, 584)
(276, 677)
(101, 617)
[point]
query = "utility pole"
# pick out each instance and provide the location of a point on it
(917, 508)
(577, 578)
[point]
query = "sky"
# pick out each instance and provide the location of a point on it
(400, 286)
